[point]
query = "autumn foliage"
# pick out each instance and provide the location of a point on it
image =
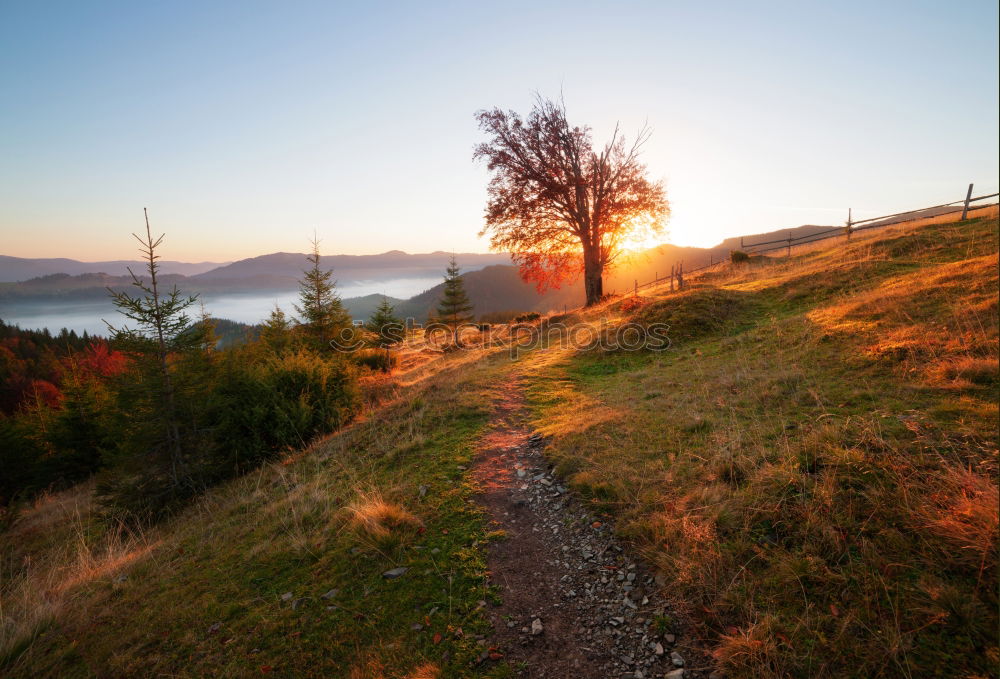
(51, 387)
(559, 206)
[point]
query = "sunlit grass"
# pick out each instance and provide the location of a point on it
(812, 468)
(817, 482)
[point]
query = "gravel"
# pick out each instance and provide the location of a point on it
(612, 602)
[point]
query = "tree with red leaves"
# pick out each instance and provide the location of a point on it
(100, 360)
(557, 205)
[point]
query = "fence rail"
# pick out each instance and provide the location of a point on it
(677, 272)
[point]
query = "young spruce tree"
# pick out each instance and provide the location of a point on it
(158, 431)
(276, 333)
(323, 317)
(454, 308)
(388, 328)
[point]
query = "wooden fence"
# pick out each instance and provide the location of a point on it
(678, 272)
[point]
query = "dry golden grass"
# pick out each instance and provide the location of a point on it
(751, 650)
(963, 513)
(940, 321)
(768, 472)
(817, 484)
(825, 256)
(372, 515)
(51, 549)
(964, 371)
(420, 359)
(373, 669)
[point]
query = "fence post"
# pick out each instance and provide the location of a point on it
(849, 223)
(680, 276)
(965, 209)
(672, 277)
(789, 245)
(635, 287)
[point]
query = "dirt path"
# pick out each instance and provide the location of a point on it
(574, 604)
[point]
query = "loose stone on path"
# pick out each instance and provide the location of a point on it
(573, 603)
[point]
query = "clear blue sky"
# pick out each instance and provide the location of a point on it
(245, 126)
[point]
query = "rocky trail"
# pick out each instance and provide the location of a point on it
(574, 604)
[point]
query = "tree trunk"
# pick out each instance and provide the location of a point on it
(593, 282)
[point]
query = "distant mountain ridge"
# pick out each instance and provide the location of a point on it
(287, 267)
(492, 282)
(279, 269)
(14, 269)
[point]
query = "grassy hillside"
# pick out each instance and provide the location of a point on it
(286, 572)
(812, 467)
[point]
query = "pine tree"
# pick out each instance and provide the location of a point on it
(323, 316)
(208, 327)
(276, 334)
(454, 308)
(386, 325)
(152, 404)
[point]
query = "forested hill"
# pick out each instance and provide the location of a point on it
(495, 288)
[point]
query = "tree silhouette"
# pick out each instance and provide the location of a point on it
(454, 308)
(558, 206)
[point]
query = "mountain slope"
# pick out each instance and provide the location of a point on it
(494, 288)
(361, 308)
(811, 468)
(813, 465)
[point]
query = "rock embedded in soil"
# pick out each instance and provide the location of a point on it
(394, 573)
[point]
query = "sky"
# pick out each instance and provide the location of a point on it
(246, 127)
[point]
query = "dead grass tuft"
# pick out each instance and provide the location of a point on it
(34, 591)
(750, 651)
(965, 371)
(379, 519)
(962, 513)
(372, 668)
(425, 671)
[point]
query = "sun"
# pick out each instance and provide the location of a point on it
(647, 242)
